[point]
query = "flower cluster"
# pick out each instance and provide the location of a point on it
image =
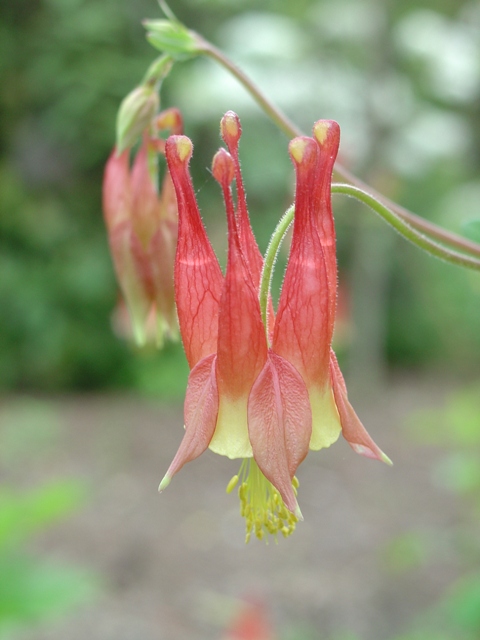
(265, 394)
(142, 229)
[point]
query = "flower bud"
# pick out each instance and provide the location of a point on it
(142, 224)
(158, 70)
(135, 115)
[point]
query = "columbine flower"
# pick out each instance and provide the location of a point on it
(266, 395)
(142, 229)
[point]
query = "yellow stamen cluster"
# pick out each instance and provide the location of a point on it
(261, 504)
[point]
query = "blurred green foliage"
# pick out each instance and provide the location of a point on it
(403, 80)
(32, 591)
(453, 429)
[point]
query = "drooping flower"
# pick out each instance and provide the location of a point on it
(142, 230)
(266, 396)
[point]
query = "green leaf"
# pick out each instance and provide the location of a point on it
(31, 591)
(462, 606)
(22, 514)
(172, 38)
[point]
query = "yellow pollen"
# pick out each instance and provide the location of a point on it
(261, 504)
(232, 484)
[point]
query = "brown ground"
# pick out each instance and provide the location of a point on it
(174, 565)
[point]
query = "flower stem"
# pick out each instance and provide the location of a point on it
(291, 130)
(273, 112)
(406, 230)
(384, 212)
(269, 262)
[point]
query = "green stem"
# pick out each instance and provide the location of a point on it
(405, 229)
(291, 130)
(269, 262)
(273, 112)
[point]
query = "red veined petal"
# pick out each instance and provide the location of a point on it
(198, 278)
(352, 429)
(231, 131)
(302, 331)
(327, 135)
(242, 346)
(200, 415)
(279, 424)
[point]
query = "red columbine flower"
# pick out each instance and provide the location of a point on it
(142, 229)
(247, 398)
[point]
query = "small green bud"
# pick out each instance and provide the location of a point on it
(173, 38)
(135, 114)
(158, 70)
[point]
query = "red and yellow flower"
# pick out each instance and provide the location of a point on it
(263, 394)
(142, 230)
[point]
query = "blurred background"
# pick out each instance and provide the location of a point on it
(88, 422)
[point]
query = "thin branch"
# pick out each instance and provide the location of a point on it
(291, 130)
(406, 230)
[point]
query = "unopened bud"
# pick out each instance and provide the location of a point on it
(230, 128)
(170, 119)
(158, 70)
(223, 168)
(135, 114)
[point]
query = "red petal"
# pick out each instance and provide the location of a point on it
(242, 345)
(168, 200)
(327, 135)
(145, 203)
(303, 332)
(352, 429)
(133, 275)
(198, 278)
(162, 256)
(117, 198)
(279, 424)
(200, 415)
(170, 119)
(231, 131)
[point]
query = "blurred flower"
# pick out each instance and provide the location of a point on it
(250, 623)
(142, 228)
(266, 395)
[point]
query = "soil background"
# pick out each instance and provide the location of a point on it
(174, 566)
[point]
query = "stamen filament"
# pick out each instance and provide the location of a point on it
(261, 504)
